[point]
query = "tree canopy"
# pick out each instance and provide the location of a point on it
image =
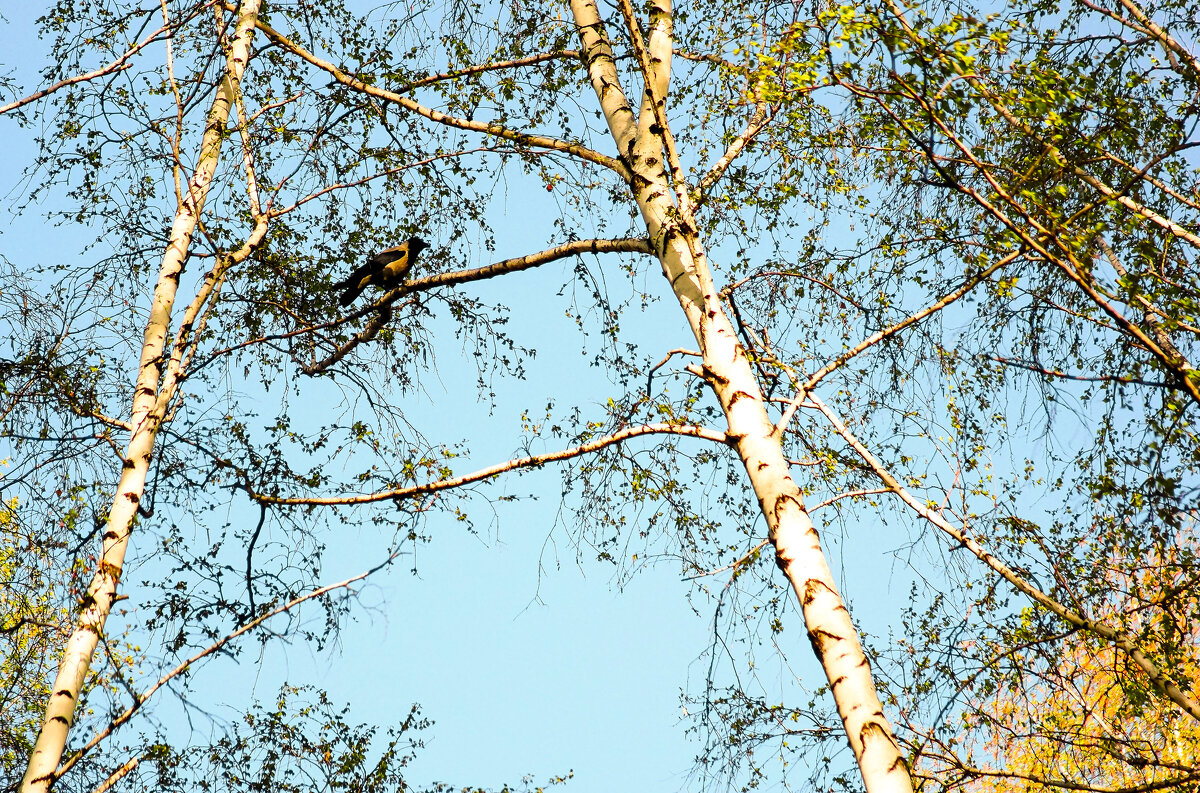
(927, 303)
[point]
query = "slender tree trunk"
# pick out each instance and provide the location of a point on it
(150, 400)
(641, 139)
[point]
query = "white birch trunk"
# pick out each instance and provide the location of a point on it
(150, 401)
(641, 142)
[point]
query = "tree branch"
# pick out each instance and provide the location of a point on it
(397, 97)
(142, 698)
(804, 390)
(118, 65)
(532, 461)
(1158, 678)
(528, 60)
(382, 305)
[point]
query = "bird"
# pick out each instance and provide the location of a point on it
(386, 269)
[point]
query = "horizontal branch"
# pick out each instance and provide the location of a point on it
(876, 491)
(532, 461)
(1081, 378)
(573, 248)
(516, 63)
(382, 306)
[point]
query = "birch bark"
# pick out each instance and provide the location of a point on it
(152, 395)
(641, 140)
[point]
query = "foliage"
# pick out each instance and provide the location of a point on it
(956, 245)
(34, 629)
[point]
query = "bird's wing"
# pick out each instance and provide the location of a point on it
(356, 277)
(389, 255)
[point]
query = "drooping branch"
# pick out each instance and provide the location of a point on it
(1110, 193)
(1158, 677)
(142, 698)
(1038, 241)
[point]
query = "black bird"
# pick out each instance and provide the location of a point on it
(386, 269)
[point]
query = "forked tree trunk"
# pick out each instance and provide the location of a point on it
(641, 139)
(150, 399)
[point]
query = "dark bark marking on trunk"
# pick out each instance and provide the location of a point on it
(779, 502)
(810, 591)
(821, 640)
(739, 394)
(713, 377)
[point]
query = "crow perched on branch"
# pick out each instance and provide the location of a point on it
(386, 269)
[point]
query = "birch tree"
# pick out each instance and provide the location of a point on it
(1053, 140)
(159, 372)
(872, 219)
